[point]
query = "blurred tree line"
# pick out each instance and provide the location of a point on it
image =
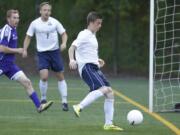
(123, 39)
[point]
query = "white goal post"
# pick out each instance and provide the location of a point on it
(164, 55)
(151, 51)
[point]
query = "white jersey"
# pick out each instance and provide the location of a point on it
(46, 33)
(86, 49)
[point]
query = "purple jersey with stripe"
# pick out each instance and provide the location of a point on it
(8, 38)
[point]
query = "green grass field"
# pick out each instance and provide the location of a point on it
(19, 117)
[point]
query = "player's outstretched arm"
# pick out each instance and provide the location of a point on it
(72, 61)
(27, 41)
(5, 49)
(64, 41)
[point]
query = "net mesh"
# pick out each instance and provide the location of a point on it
(167, 55)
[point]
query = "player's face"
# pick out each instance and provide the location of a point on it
(45, 11)
(13, 20)
(97, 25)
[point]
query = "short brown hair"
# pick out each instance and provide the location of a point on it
(44, 3)
(10, 12)
(92, 16)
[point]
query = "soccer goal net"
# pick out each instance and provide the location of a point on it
(164, 55)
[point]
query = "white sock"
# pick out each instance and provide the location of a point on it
(62, 86)
(43, 86)
(109, 111)
(91, 97)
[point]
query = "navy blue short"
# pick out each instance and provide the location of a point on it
(93, 76)
(50, 60)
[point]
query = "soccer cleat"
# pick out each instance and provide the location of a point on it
(44, 106)
(112, 127)
(65, 107)
(177, 107)
(77, 110)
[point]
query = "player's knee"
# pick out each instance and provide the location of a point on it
(109, 94)
(45, 79)
(60, 76)
(27, 83)
(107, 90)
(104, 89)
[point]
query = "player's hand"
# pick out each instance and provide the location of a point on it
(63, 47)
(73, 64)
(24, 54)
(101, 62)
(19, 50)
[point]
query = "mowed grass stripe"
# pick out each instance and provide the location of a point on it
(155, 115)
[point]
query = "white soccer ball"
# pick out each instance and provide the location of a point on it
(135, 117)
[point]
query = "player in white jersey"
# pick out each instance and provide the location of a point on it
(46, 30)
(85, 48)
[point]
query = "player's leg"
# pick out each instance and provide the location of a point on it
(43, 84)
(58, 67)
(109, 107)
(19, 76)
(108, 104)
(62, 87)
(109, 111)
(43, 66)
(109, 99)
(26, 83)
(97, 88)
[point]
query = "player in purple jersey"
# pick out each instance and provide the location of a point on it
(8, 49)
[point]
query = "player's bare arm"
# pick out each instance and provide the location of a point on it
(27, 41)
(72, 61)
(5, 49)
(64, 38)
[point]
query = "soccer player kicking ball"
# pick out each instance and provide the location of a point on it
(85, 48)
(47, 29)
(8, 49)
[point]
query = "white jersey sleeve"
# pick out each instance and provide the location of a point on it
(5, 34)
(81, 39)
(75, 43)
(60, 28)
(31, 30)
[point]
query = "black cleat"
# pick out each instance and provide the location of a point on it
(177, 107)
(65, 107)
(43, 101)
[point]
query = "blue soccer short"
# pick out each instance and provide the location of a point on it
(9, 69)
(93, 76)
(50, 60)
